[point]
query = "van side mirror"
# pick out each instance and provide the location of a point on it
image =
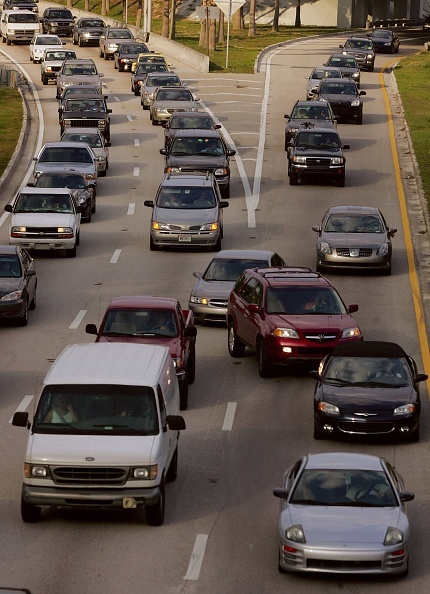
(20, 419)
(91, 329)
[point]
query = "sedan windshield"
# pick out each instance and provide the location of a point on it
(229, 269)
(354, 224)
(370, 371)
(360, 488)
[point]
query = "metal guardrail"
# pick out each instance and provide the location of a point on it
(400, 23)
(8, 77)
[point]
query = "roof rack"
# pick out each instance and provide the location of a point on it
(287, 272)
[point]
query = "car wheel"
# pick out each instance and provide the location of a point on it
(3, 39)
(8, 41)
(93, 209)
(183, 393)
(359, 120)
(226, 191)
(74, 40)
(387, 271)
(45, 79)
(265, 367)
(155, 513)
(392, 49)
(191, 368)
(120, 69)
(23, 320)
(105, 56)
(286, 144)
(30, 513)
(415, 436)
(33, 302)
(372, 68)
(80, 43)
(236, 348)
(153, 247)
(71, 253)
(172, 473)
(101, 54)
(340, 181)
(217, 246)
(294, 178)
(318, 434)
(88, 217)
(103, 173)
(154, 122)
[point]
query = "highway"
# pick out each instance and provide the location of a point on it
(220, 533)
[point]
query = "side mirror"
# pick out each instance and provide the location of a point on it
(190, 331)
(406, 496)
(346, 146)
(163, 151)
(421, 377)
(198, 275)
(30, 273)
(224, 204)
(391, 231)
(149, 203)
(231, 152)
(316, 228)
(362, 93)
(108, 111)
(314, 373)
(176, 422)
(286, 116)
(20, 419)
(8, 208)
(217, 126)
(108, 144)
(352, 308)
(281, 493)
(91, 329)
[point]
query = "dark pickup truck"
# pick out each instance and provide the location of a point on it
(85, 112)
(153, 320)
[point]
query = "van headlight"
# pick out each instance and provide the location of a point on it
(36, 471)
(145, 473)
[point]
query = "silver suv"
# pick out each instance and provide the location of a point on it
(110, 38)
(78, 72)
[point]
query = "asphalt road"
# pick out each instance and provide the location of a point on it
(221, 517)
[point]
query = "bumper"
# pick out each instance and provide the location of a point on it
(284, 350)
(185, 239)
(305, 171)
(208, 313)
(353, 559)
(90, 498)
(334, 427)
(354, 263)
(43, 244)
(12, 309)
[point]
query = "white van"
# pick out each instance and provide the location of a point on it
(105, 431)
(18, 25)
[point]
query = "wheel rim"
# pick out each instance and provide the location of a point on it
(231, 338)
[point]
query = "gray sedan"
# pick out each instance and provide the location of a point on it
(167, 100)
(343, 513)
(209, 297)
(354, 237)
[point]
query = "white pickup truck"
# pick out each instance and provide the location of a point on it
(19, 26)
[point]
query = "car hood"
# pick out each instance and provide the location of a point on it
(314, 322)
(213, 289)
(381, 40)
(351, 398)
(82, 79)
(8, 285)
(341, 525)
(319, 123)
(43, 219)
(354, 240)
(347, 72)
(197, 161)
(183, 216)
(339, 99)
(318, 152)
(91, 30)
(85, 115)
(176, 105)
(174, 344)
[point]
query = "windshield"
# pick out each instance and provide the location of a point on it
(86, 104)
(338, 89)
(384, 34)
(92, 23)
(304, 301)
(361, 488)
(49, 202)
(133, 49)
(186, 198)
(311, 113)
(197, 146)
(324, 140)
(81, 70)
(45, 40)
(381, 371)
(354, 224)
(162, 81)
(65, 155)
(18, 17)
(229, 269)
(140, 322)
(9, 266)
(94, 140)
(322, 73)
(343, 62)
(97, 410)
(144, 68)
(362, 44)
(186, 121)
(59, 55)
(74, 182)
(174, 95)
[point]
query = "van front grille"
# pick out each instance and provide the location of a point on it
(84, 475)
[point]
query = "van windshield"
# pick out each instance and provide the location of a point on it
(97, 409)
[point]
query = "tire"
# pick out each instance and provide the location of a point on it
(340, 181)
(387, 271)
(226, 192)
(8, 41)
(80, 43)
(217, 246)
(105, 56)
(45, 79)
(152, 246)
(3, 39)
(136, 92)
(33, 302)
(265, 367)
(155, 513)
(183, 394)
(293, 179)
(154, 122)
(415, 436)
(172, 473)
(359, 120)
(93, 210)
(236, 348)
(191, 369)
(102, 173)
(78, 239)
(101, 54)
(71, 253)
(30, 513)
(23, 320)
(114, 65)
(88, 217)
(74, 40)
(318, 434)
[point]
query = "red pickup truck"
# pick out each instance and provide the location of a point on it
(153, 320)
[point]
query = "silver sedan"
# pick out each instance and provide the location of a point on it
(95, 139)
(354, 237)
(343, 513)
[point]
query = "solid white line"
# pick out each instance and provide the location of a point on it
(117, 99)
(136, 142)
(115, 257)
(130, 118)
(195, 565)
(78, 319)
(136, 171)
(131, 208)
(22, 406)
(229, 416)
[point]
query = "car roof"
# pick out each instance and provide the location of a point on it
(316, 103)
(369, 348)
(142, 301)
(61, 144)
(339, 210)
(33, 190)
(8, 249)
(80, 60)
(197, 132)
(319, 129)
(343, 460)
(187, 180)
(282, 275)
(245, 254)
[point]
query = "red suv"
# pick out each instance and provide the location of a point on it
(287, 314)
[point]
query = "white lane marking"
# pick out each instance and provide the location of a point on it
(136, 142)
(131, 208)
(229, 416)
(136, 171)
(22, 406)
(117, 99)
(115, 257)
(130, 118)
(78, 319)
(195, 565)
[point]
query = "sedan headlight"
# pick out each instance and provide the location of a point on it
(405, 409)
(295, 533)
(148, 473)
(198, 300)
(387, 43)
(112, 46)
(157, 226)
(210, 227)
(393, 536)
(355, 103)
(160, 110)
(325, 248)
(292, 130)
(173, 170)
(90, 176)
(12, 296)
(285, 333)
(383, 249)
(351, 332)
(191, 109)
(328, 409)
(67, 122)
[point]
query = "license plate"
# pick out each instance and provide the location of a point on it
(185, 238)
(129, 503)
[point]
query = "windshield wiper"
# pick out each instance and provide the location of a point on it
(338, 381)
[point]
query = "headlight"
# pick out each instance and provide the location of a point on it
(67, 122)
(210, 227)
(54, 24)
(191, 109)
(112, 46)
(35, 471)
(393, 536)
(160, 226)
(178, 363)
(387, 43)
(295, 533)
(328, 409)
(221, 171)
(369, 56)
(48, 69)
(297, 159)
(11, 296)
(355, 103)
(355, 75)
(336, 161)
(18, 231)
(325, 248)
(198, 300)
(148, 473)
(383, 249)
(292, 130)
(160, 110)
(351, 332)
(173, 169)
(285, 333)
(125, 60)
(90, 176)
(65, 232)
(405, 409)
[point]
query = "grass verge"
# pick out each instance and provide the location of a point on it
(11, 114)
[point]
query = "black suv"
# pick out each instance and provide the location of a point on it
(287, 313)
(194, 151)
(85, 112)
(87, 31)
(344, 98)
(57, 20)
(316, 112)
(362, 50)
(315, 153)
(127, 53)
